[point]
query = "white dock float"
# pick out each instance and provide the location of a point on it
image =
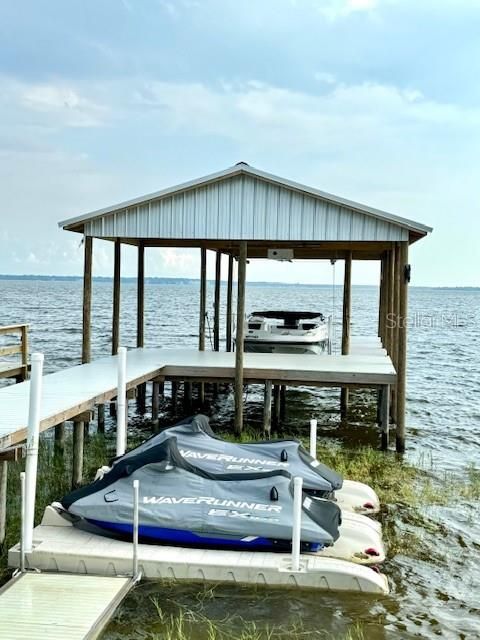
(69, 392)
(50, 606)
(61, 547)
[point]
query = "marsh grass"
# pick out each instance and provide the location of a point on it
(187, 623)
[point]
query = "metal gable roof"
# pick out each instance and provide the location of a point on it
(78, 223)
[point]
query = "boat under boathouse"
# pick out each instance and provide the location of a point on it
(246, 213)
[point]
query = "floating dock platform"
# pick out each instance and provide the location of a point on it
(61, 547)
(59, 606)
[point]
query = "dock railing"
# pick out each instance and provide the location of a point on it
(12, 368)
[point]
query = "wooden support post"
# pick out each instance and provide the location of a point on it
(381, 303)
(203, 299)
(142, 388)
(101, 418)
(267, 409)
(283, 402)
(347, 309)
(155, 401)
(174, 396)
(276, 406)
(228, 328)
(384, 411)
(77, 467)
(140, 294)
(3, 499)
(202, 314)
(389, 324)
(87, 299)
(216, 304)
(59, 445)
(116, 298)
(187, 395)
(402, 348)
(396, 305)
(240, 334)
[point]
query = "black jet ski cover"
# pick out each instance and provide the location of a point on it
(198, 444)
(183, 504)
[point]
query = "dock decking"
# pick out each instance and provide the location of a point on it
(69, 392)
(59, 606)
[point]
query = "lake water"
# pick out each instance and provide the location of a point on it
(434, 594)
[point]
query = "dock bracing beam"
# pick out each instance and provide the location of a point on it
(402, 346)
(347, 308)
(240, 334)
(228, 328)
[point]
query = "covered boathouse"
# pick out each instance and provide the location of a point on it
(246, 213)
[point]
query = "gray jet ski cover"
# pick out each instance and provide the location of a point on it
(182, 504)
(198, 444)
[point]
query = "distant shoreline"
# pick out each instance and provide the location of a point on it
(188, 281)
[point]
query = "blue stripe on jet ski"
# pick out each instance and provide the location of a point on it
(180, 536)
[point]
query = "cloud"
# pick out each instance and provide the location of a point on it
(63, 103)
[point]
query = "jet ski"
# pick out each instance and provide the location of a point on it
(185, 504)
(199, 444)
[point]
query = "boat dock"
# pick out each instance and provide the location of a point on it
(37, 605)
(69, 393)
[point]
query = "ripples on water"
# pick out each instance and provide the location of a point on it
(437, 596)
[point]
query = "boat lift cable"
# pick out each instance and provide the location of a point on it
(210, 338)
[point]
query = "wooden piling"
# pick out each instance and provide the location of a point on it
(174, 396)
(59, 442)
(203, 299)
(276, 406)
(267, 409)
(283, 402)
(116, 297)
(228, 328)
(391, 302)
(87, 299)
(77, 466)
(101, 418)
(155, 401)
(347, 308)
(240, 334)
(216, 304)
(396, 304)
(187, 395)
(142, 388)
(382, 301)
(402, 349)
(384, 411)
(3, 498)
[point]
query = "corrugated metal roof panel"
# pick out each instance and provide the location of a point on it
(244, 207)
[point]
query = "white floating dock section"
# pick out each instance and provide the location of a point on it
(61, 547)
(47, 606)
(69, 392)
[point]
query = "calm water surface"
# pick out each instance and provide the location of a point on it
(435, 594)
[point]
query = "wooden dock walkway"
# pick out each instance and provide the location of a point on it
(69, 392)
(59, 606)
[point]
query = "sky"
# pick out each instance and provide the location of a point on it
(373, 100)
